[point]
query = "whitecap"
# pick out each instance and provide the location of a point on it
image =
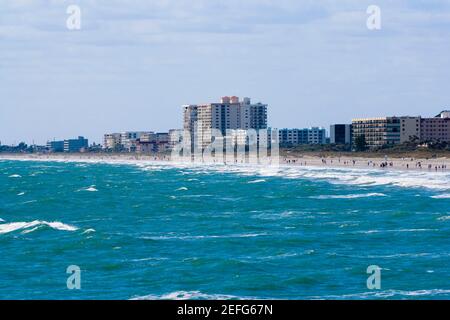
(89, 189)
(444, 218)
(395, 230)
(190, 295)
(15, 176)
(34, 225)
(257, 181)
(199, 237)
(21, 193)
(88, 231)
(441, 196)
(182, 189)
(349, 196)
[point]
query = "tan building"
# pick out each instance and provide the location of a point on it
(437, 128)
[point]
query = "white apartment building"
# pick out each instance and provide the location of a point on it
(229, 113)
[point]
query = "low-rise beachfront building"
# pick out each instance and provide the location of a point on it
(76, 145)
(294, 137)
(70, 145)
(378, 132)
(152, 142)
(436, 129)
(55, 146)
(341, 134)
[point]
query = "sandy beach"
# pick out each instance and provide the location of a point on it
(387, 163)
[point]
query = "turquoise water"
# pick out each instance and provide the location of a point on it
(161, 231)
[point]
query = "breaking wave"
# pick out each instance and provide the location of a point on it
(190, 295)
(28, 227)
(441, 196)
(349, 196)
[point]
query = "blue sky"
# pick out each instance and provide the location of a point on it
(134, 63)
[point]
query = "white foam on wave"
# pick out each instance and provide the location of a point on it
(89, 189)
(190, 295)
(338, 175)
(348, 176)
(182, 189)
(441, 196)
(257, 181)
(21, 193)
(15, 176)
(28, 227)
(88, 231)
(199, 237)
(349, 196)
(394, 230)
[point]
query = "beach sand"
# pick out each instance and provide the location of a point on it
(385, 163)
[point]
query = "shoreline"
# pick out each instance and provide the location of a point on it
(382, 164)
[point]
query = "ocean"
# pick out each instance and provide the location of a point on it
(164, 231)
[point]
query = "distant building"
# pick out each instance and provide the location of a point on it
(152, 142)
(76, 145)
(378, 132)
(55, 146)
(341, 134)
(175, 137)
(229, 114)
(125, 141)
(128, 139)
(112, 141)
(436, 129)
(294, 137)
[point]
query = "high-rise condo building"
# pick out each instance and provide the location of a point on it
(230, 113)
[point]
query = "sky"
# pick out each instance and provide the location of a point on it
(133, 64)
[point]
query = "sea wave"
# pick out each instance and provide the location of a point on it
(257, 181)
(348, 176)
(441, 196)
(190, 295)
(199, 237)
(349, 196)
(28, 227)
(335, 175)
